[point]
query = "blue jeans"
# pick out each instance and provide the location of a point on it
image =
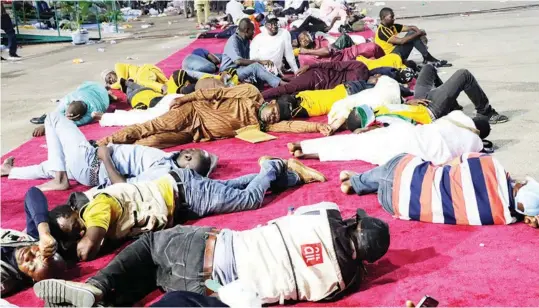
(68, 150)
(36, 210)
(206, 196)
(187, 299)
(379, 179)
(258, 75)
(199, 64)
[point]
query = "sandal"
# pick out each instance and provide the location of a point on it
(441, 63)
(39, 120)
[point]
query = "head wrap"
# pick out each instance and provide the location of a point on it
(528, 196)
(104, 74)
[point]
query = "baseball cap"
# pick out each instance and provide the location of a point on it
(285, 110)
(373, 237)
(360, 117)
(528, 196)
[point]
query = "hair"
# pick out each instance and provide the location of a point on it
(77, 108)
(205, 165)
(483, 126)
(260, 17)
(61, 211)
(385, 11)
(353, 121)
(285, 100)
(245, 24)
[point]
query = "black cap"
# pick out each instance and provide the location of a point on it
(373, 237)
(190, 88)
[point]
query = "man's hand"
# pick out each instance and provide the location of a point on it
(72, 117)
(84, 248)
(417, 102)
(39, 131)
(302, 70)
(47, 245)
(103, 152)
(325, 129)
(267, 62)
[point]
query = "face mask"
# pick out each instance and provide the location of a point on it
(528, 195)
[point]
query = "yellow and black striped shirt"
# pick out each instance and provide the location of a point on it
(383, 34)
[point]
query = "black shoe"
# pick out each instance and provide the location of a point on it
(39, 120)
(3, 59)
(494, 117)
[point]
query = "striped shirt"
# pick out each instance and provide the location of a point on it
(473, 190)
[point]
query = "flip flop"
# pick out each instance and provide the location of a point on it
(39, 120)
(441, 63)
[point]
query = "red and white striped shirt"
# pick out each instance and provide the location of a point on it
(473, 190)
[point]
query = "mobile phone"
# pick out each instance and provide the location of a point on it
(428, 301)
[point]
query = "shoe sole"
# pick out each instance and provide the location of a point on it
(498, 122)
(55, 292)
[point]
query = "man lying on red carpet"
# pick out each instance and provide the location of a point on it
(71, 156)
(124, 210)
(473, 189)
(311, 255)
(31, 255)
(211, 114)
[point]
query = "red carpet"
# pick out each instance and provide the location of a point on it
(459, 266)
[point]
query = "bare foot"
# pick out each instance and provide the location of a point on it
(346, 187)
(7, 166)
(97, 115)
(345, 175)
(292, 147)
(60, 182)
(410, 304)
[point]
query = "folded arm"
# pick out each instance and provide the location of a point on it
(294, 127)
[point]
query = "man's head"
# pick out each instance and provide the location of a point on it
(387, 17)
(66, 225)
(34, 265)
(526, 195)
(482, 126)
(246, 29)
(305, 40)
(272, 25)
(277, 110)
(360, 117)
(260, 17)
(371, 236)
(195, 159)
(76, 110)
(109, 76)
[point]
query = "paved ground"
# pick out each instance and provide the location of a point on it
(499, 48)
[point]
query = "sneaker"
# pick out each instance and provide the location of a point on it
(14, 58)
(39, 120)
(55, 291)
(496, 118)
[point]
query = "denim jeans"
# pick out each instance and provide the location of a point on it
(68, 150)
(444, 96)
(379, 179)
(206, 196)
(258, 74)
(187, 299)
(171, 259)
(7, 26)
(199, 64)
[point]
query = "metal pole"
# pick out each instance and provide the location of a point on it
(115, 15)
(56, 18)
(37, 12)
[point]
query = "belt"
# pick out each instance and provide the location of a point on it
(180, 207)
(209, 250)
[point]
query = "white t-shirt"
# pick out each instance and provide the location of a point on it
(386, 91)
(438, 142)
(274, 48)
(235, 9)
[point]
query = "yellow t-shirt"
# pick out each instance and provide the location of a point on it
(103, 211)
(165, 184)
(319, 102)
(390, 60)
(419, 113)
(142, 99)
(383, 34)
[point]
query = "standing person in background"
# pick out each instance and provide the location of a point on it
(7, 26)
(199, 6)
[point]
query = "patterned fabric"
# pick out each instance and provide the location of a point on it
(473, 190)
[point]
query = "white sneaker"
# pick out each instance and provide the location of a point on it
(55, 291)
